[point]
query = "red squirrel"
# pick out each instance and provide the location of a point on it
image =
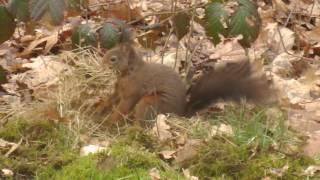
(146, 89)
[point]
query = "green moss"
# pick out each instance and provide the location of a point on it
(43, 144)
(133, 157)
(47, 151)
(199, 130)
(13, 130)
(252, 152)
(136, 135)
(82, 168)
(218, 158)
(255, 128)
(267, 163)
(122, 162)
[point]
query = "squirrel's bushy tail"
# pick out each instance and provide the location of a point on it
(234, 81)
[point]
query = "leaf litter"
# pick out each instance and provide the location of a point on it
(75, 79)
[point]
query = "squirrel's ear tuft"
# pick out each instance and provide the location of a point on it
(128, 50)
(127, 35)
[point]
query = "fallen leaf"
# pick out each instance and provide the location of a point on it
(311, 170)
(188, 175)
(279, 43)
(295, 91)
(7, 172)
(50, 42)
(91, 149)
(161, 128)
(45, 71)
(188, 151)
(167, 154)
(122, 11)
(312, 147)
(4, 143)
(155, 174)
(228, 50)
(279, 171)
(222, 129)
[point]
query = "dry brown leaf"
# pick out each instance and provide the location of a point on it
(221, 130)
(306, 121)
(44, 73)
(91, 149)
(292, 89)
(188, 175)
(312, 170)
(4, 143)
(122, 11)
(279, 42)
(50, 42)
(171, 58)
(188, 151)
(27, 38)
(167, 154)
(154, 174)
(266, 178)
(7, 172)
(279, 172)
(229, 50)
(282, 65)
(312, 148)
(161, 128)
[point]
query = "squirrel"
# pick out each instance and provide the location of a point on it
(146, 89)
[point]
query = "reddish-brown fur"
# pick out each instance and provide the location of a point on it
(149, 88)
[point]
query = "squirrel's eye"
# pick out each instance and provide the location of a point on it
(113, 58)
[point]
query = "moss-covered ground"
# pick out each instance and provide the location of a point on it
(51, 134)
(260, 147)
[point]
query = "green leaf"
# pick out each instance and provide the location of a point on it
(54, 7)
(109, 33)
(7, 24)
(57, 8)
(19, 9)
(245, 21)
(181, 24)
(75, 5)
(38, 8)
(248, 4)
(3, 75)
(216, 21)
(82, 36)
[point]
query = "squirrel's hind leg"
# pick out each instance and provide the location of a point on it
(146, 110)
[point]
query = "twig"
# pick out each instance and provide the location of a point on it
(166, 12)
(285, 49)
(165, 45)
(13, 148)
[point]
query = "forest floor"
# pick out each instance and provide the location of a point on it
(49, 128)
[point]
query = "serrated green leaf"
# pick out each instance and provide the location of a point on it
(248, 4)
(109, 36)
(7, 24)
(19, 9)
(109, 33)
(181, 24)
(75, 5)
(245, 21)
(54, 7)
(82, 36)
(216, 21)
(57, 8)
(38, 8)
